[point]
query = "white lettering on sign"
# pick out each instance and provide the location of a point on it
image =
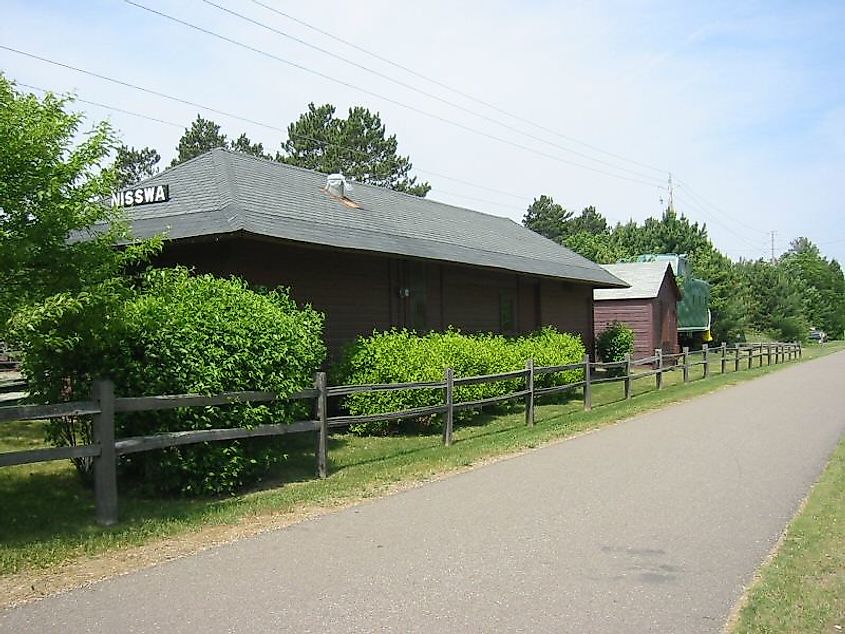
(141, 196)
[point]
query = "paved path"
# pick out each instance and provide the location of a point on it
(650, 526)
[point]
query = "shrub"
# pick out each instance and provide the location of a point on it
(175, 333)
(614, 343)
(549, 347)
(789, 328)
(402, 356)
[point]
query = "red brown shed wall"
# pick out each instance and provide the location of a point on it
(665, 311)
(360, 292)
(637, 314)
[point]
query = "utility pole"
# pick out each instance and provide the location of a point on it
(773, 246)
(671, 194)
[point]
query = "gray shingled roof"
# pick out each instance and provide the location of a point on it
(645, 279)
(223, 192)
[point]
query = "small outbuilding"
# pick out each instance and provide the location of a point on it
(369, 258)
(649, 306)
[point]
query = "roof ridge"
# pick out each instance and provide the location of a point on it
(221, 159)
(358, 183)
(280, 200)
(193, 159)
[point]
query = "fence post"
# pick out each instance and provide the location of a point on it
(588, 388)
(658, 378)
(529, 398)
(105, 464)
(750, 356)
(706, 352)
(628, 370)
(450, 407)
(736, 358)
(799, 350)
(760, 359)
(320, 384)
(686, 364)
(768, 354)
(724, 355)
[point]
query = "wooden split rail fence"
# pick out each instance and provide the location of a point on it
(105, 449)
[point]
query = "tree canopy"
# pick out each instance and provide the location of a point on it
(782, 298)
(54, 184)
(132, 166)
(548, 218)
(357, 146)
(203, 135)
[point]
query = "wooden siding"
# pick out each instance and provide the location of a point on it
(352, 291)
(471, 298)
(665, 317)
(362, 292)
(568, 307)
(637, 314)
(654, 321)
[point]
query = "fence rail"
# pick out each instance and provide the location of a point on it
(105, 448)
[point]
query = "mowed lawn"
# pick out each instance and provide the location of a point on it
(48, 515)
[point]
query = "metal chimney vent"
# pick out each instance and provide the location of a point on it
(336, 185)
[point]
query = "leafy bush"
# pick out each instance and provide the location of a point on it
(402, 356)
(174, 333)
(614, 343)
(789, 328)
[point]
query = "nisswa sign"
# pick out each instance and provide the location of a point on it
(141, 196)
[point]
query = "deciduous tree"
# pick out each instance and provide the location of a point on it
(54, 184)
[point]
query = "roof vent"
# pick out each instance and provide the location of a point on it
(336, 185)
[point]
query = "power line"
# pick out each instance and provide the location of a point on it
(150, 91)
(418, 90)
(304, 138)
(456, 90)
(382, 97)
(717, 221)
(107, 107)
(471, 184)
(716, 209)
(279, 129)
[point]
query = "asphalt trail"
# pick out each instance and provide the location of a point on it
(654, 525)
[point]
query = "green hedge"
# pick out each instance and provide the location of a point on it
(402, 356)
(175, 333)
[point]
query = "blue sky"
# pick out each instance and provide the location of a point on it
(744, 102)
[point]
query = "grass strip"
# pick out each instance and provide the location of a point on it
(47, 515)
(802, 588)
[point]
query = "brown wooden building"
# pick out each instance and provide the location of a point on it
(368, 257)
(649, 306)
